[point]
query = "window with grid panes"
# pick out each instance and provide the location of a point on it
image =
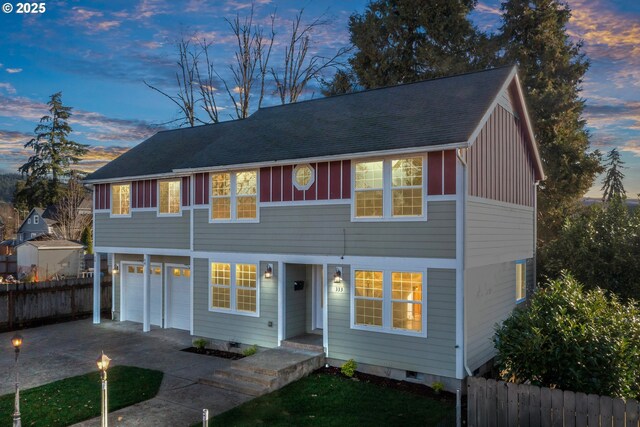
(369, 190)
(120, 199)
(169, 200)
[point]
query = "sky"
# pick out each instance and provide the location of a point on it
(99, 53)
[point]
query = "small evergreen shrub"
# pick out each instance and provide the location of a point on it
(200, 343)
(349, 367)
(250, 351)
(437, 387)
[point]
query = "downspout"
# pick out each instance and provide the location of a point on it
(460, 254)
(535, 234)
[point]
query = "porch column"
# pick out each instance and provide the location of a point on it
(146, 295)
(96, 288)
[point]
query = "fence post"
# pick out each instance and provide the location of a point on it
(458, 408)
(205, 418)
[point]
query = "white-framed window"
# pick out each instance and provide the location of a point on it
(121, 199)
(234, 288)
(303, 176)
(33, 235)
(521, 280)
(169, 199)
(234, 196)
(389, 189)
(28, 220)
(36, 219)
(389, 301)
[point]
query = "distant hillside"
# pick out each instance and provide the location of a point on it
(631, 202)
(7, 185)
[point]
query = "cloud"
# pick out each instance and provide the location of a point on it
(12, 151)
(7, 87)
(106, 25)
(98, 156)
(13, 70)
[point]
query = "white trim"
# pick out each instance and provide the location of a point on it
(460, 348)
(191, 285)
(127, 215)
(147, 210)
(281, 301)
(135, 178)
(95, 211)
(387, 192)
(311, 180)
(233, 288)
(387, 300)
(305, 203)
(233, 199)
(173, 214)
(144, 251)
(325, 310)
(522, 262)
(113, 284)
(442, 198)
(146, 294)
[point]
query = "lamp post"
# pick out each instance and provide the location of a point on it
(16, 341)
(103, 365)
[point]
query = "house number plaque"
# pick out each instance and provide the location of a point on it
(338, 289)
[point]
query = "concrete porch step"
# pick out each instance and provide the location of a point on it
(302, 346)
(266, 371)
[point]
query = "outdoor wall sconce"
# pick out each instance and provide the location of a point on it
(337, 276)
(268, 273)
(115, 270)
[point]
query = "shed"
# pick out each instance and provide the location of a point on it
(50, 258)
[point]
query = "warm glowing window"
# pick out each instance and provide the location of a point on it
(246, 289)
(406, 301)
(234, 288)
(368, 298)
(131, 269)
(406, 187)
(220, 286)
(221, 196)
(176, 272)
(521, 281)
(120, 199)
(234, 196)
(139, 269)
(303, 177)
(169, 202)
(369, 190)
(186, 272)
(156, 270)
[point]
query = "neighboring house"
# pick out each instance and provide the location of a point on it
(49, 259)
(397, 224)
(35, 224)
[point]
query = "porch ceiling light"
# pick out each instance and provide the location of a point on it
(268, 273)
(337, 276)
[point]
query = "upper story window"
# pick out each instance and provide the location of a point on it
(303, 177)
(169, 200)
(234, 196)
(521, 281)
(36, 219)
(389, 189)
(121, 199)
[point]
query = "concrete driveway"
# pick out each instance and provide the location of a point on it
(64, 350)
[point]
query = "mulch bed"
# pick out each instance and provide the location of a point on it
(215, 353)
(411, 387)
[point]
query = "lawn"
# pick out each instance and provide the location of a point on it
(328, 400)
(75, 399)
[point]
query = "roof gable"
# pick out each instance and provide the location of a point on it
(425, 114)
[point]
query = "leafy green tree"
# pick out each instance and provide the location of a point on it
(87, 239)
(600, 246)
(552, 67)
(54, 152)
(400, 41)
(343, 81)
(612, 186)
(573, 340)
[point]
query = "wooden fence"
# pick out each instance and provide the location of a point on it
(8, 264)
(496, 403)
(25, 304)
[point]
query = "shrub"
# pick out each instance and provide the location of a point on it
(437, 387)
(349, 367)
(573, 340)
(250, 351)
(200, 343)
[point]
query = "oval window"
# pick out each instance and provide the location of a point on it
(303, 177)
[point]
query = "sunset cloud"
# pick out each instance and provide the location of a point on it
(13, 70)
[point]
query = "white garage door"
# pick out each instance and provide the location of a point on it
(178, 297)
(132, 291)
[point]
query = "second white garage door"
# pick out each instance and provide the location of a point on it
(178, 297)
(132, 292)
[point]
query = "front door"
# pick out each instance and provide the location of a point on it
(318, 297)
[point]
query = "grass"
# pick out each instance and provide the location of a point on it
(75, 399)
(328, 400)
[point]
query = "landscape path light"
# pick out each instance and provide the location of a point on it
(103, 365)
(16, 341)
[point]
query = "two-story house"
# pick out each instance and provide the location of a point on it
(37, 223)
(395, 224)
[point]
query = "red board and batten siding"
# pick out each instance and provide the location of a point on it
(332, 182)
(441, 173)
(500, 163)
(144, 194)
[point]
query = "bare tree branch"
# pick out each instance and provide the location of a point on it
(71, 219)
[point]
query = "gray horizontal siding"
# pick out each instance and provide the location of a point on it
(234, 327)
(497, 232)
(433, 355)
(319, 230)
(490, 296)
(143, 230)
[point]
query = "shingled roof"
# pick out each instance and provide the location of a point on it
(427, 113)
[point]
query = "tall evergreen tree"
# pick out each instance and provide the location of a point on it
(343, 81)
(400, 41)
(612, 186)
(552, 67)
(54, 153)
